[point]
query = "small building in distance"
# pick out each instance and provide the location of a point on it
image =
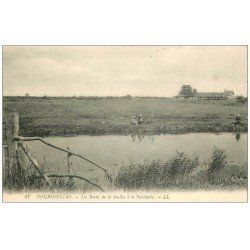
(181, 96)
(227, 94)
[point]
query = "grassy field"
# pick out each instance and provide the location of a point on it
(50, 116)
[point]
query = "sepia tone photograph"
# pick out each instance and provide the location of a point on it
(125, 124)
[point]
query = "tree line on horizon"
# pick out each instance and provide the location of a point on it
(186, 91)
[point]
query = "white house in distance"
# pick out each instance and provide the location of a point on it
(227, 94)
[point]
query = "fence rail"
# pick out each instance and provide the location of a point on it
(19, 138)
(15, 142)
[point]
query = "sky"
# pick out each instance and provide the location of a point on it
(122, 70)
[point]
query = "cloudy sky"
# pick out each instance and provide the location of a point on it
(122, 70)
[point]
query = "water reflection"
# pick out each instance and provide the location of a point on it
(118, 149)
(137, 134)
(140, 135)
(237, 136)
(152, 138)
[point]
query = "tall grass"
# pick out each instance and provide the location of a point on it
(137, 176)
(218, 160)
(216, 164)
(182, 172)
(156, 174)
(181, 165)
(23, 177)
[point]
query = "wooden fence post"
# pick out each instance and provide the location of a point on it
(34, 162)
(69, 167)
(11, 130)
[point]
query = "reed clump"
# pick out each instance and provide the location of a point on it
(23, 177)
(183, 172)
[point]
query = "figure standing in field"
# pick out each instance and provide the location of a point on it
(133, 120)
(140, 120)
(237, 122)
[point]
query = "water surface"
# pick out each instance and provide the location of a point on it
(114, 150)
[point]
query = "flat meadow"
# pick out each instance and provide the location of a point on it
(69, 116)
(57, 116)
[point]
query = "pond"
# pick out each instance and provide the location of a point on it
(114, 150)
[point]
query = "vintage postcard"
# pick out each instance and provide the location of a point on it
(125, 124)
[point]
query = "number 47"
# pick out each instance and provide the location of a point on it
(27, 196)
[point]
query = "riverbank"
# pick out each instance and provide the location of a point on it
(183, 172)
(61, 116)
(180, 173)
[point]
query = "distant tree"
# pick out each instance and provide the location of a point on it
(128, 97)
(27, 95)
(241, 99)
(45, 97)
(187, 91)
